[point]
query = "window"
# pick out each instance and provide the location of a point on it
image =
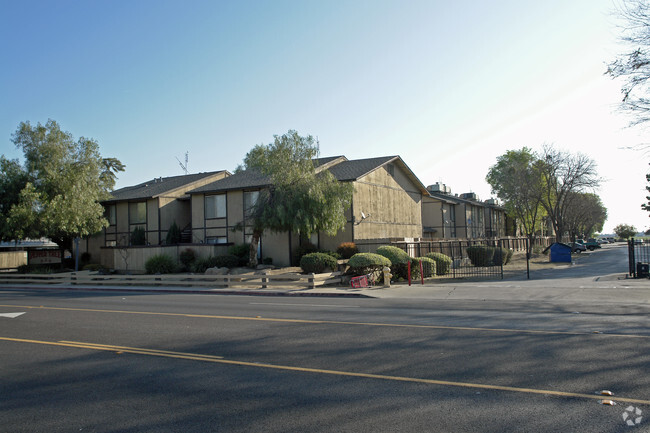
(110, 214)
(216, 240)
(138, 213)
(250, 198)
(215, 206)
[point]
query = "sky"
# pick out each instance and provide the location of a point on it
(447, 85)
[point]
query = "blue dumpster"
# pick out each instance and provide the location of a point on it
(559, 253)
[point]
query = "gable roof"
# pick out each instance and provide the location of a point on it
(159, 186)
(344, 170)
(243, 180)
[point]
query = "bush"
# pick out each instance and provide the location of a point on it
(369, 264)
(94, 267)
(187, 258)
(504, 254)
(347, 250)
(84, 258)
(428, 267)
(481, 255)
(443, 263)
(160, 264)
(307, 248)
(317, 263)
(138, 236)
(173, 235)
(399, 260)
(201, 264)
(242, 252)
(225, 261)
(267, 260)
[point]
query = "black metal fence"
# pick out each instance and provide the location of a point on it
(469, 258)
(638, 258)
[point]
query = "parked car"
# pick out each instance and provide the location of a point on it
(592, 244)
(577, 247)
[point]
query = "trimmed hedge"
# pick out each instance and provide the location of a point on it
(317, 263)
(160, 264)
(443, 262)
(399, 259)
(187, 258)
(428, 267)
(483, 255)
(369, 264)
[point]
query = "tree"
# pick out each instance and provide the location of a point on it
(517, 183)
(562, 174)
(585, 215)
(300, 198)
(625, 231)
(63, 181)
(633, 66)
(12, 180)
(646, 206)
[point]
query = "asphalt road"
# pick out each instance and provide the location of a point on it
(127, 362)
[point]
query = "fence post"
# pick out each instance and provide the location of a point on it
(631, 259)
(409, 271)
(311, 280)
(73, 278)
(421, 273)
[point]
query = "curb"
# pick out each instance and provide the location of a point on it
(192, 292)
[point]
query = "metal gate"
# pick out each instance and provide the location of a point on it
(638, 258)
(469, 258)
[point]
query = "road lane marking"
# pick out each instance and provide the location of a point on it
(220, 360)
(11, 315)
(335, 322)
(303, 305)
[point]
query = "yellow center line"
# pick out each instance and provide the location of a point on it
(333, 322)
(220, 360)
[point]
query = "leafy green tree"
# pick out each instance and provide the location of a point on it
(625, 231)
(300, 198)
(585, 215)
(12, 181)
(62, 182)
(517, 183)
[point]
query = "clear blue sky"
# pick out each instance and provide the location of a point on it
(448, 86)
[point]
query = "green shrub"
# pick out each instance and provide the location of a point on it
(369, 264)
(138, 236)
(317, 263)
(201, 264)
(94, 267)
(428, 267)
(481, 255)
(242, 252)
(225, 261)
(443, 262)
(399, 260)
(160, 264)
(37, 269)
(267, 260)
(303, 249)
(502, 256)
(173, 235)
(347, 250)
(187, 258)
(84, 258)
